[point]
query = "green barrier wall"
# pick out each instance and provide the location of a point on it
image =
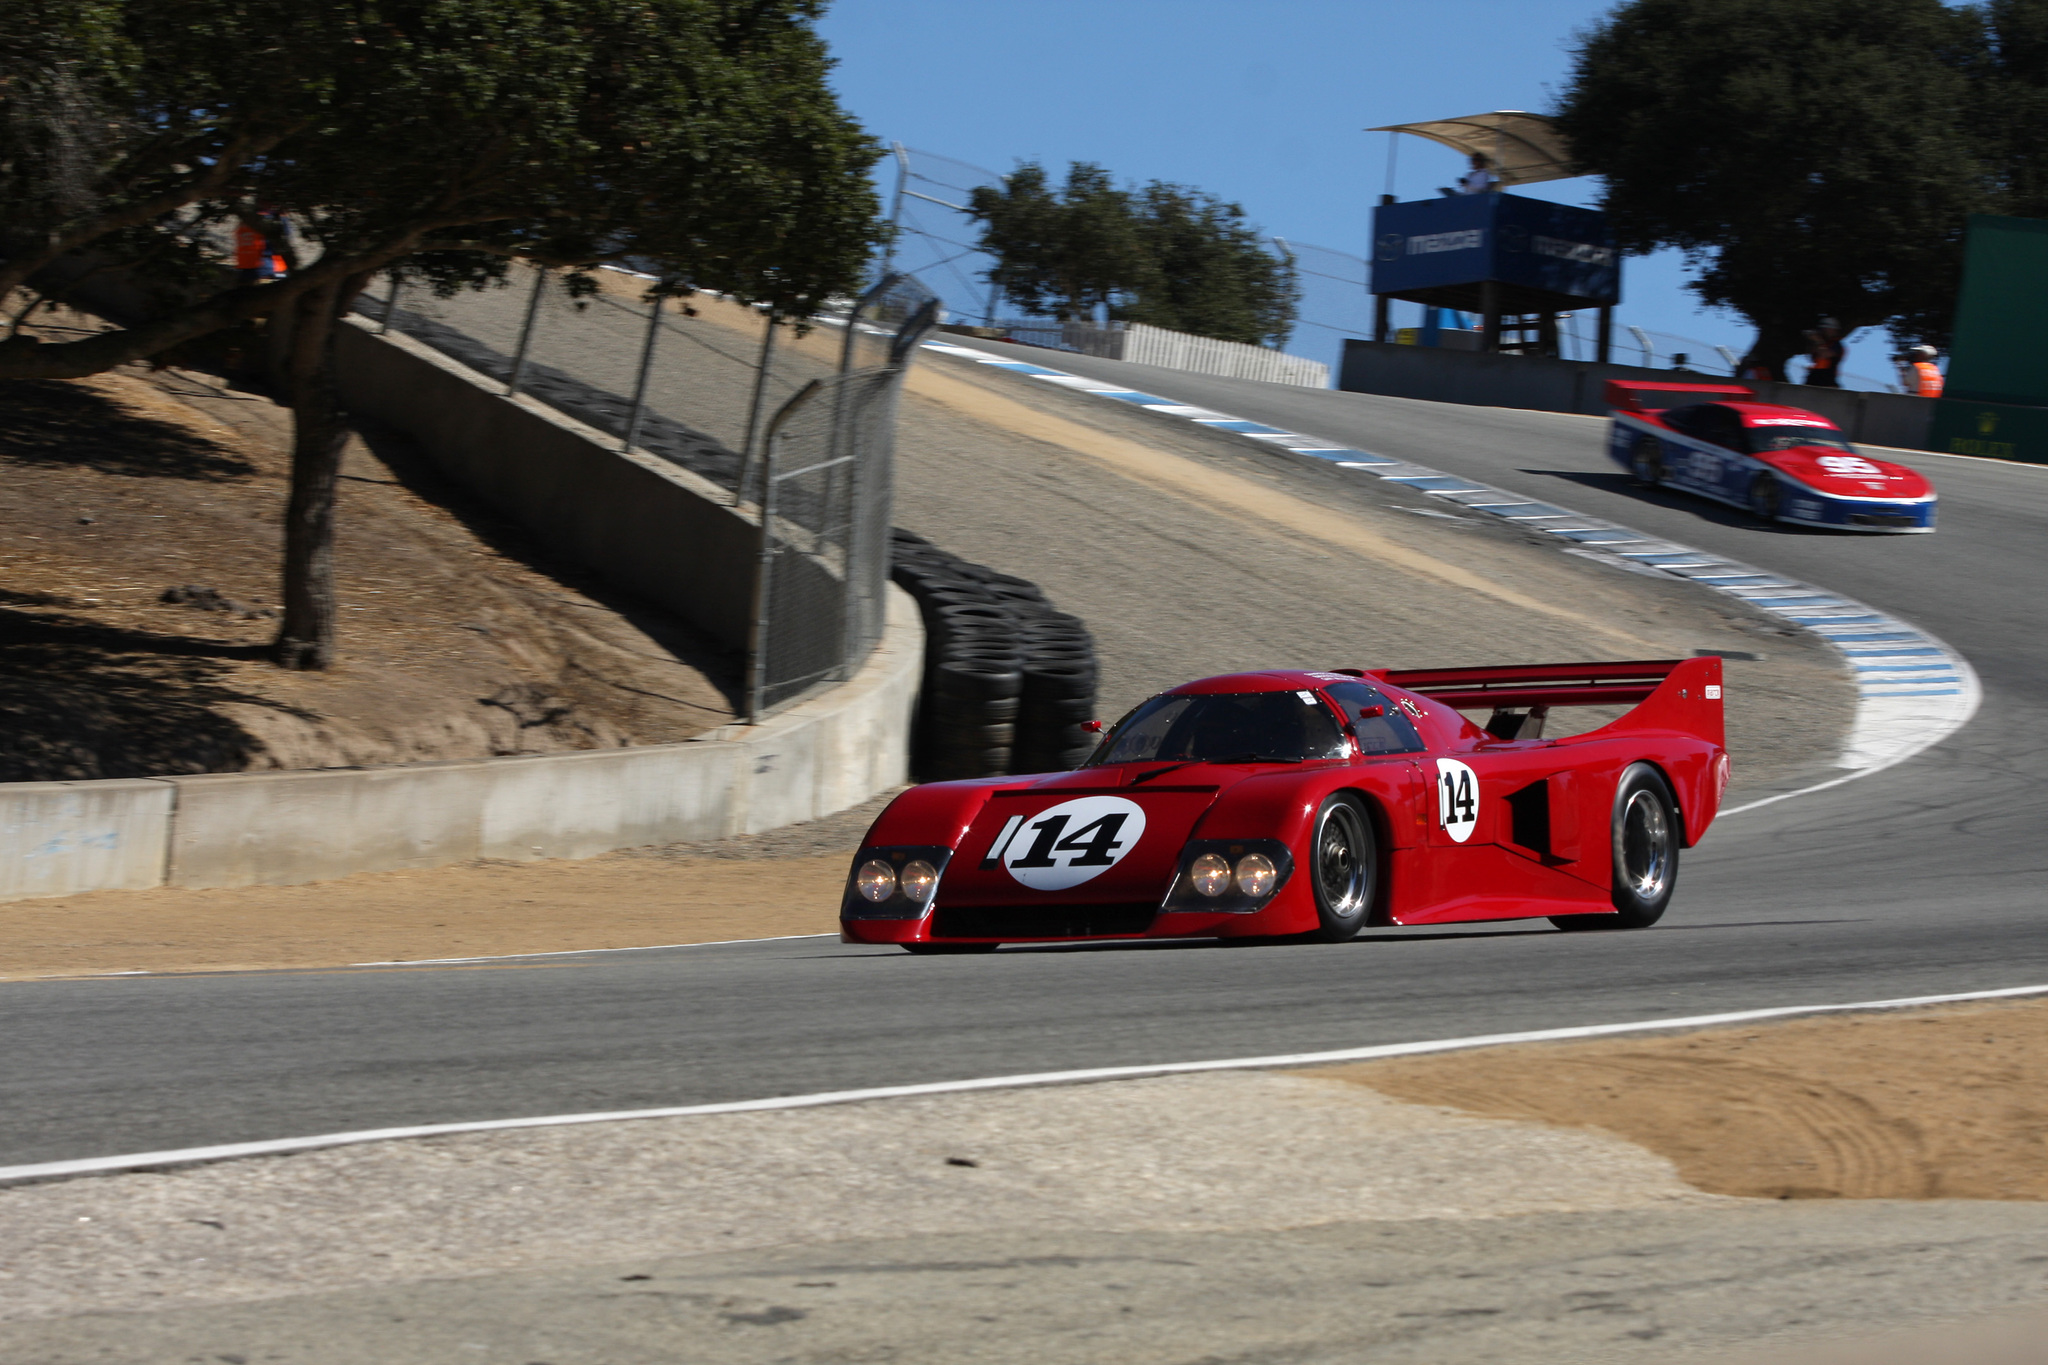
(1999, 431)
(2000, 354)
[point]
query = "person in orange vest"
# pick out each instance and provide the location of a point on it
(1824, 360)
(256, 253)
(1919, 375)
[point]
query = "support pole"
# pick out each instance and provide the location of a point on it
(1381, 307)
(540, 281)
(1489, 310)
(896, 207)
(640, 383)
(757, 637)
(390, 305)
(1604, 347)
(739, 488)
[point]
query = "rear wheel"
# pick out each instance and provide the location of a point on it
(1344, 867)
(1764, 497)
(936, 949)
(1647, 461)
(1646, 842)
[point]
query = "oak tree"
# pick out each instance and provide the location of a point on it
(1811, 157)
(697, 138)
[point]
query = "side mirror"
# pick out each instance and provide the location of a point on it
(1093, 727)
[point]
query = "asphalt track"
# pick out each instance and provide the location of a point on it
(1919, 880)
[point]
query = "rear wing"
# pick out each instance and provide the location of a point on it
(1677, 694)
(1648, 396)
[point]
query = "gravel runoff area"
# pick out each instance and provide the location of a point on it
(1256, 1217)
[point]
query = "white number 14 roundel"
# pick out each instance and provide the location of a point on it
(1457, 799)
(1070, 843)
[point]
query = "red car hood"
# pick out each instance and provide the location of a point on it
(1085, 837)
(1827, 470)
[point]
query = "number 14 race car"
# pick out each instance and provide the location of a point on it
(1783, 464)
(1277, 804)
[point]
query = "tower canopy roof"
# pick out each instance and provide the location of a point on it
(1523, 148)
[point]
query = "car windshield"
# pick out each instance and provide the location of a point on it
(1765, 439)
(1226, 727)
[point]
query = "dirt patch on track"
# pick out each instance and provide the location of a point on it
(1930, 1104)
(787, 881)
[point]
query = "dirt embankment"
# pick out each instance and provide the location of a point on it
(1928, 1104)
(140, 532)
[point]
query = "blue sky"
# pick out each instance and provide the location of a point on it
(1262, 102)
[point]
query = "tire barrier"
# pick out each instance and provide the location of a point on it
(1009, 683)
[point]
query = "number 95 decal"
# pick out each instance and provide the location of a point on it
(1457, 799)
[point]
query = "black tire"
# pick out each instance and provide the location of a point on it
(1343, 868)
(941, 949)
(1061, 680)
(968, 736)
(1765, 498)
(977, 678)
(1646, 461)
(1646, 841)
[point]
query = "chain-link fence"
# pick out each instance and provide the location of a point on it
(826, 484)
(694, 380)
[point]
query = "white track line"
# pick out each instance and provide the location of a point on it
(49, 1170)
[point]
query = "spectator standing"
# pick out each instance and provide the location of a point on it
(1918, 374)
(1824, 356)
(258, 250)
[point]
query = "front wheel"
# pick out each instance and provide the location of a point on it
(1647, 461)
(1764, 498)
(1646, 842)
(1344, 867)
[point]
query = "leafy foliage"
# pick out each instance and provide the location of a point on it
(1812, 157)
(695, 134)
(1168, 255)
(444, 137)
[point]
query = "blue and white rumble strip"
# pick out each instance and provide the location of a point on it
(1913, 690)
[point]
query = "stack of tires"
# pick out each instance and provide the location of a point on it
(1009, 683)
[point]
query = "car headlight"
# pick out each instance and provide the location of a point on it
(877, 880)
(918, 878)
(1255, 874)
(1210, 874)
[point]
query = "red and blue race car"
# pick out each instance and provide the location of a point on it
(1783, 464)
(1285, 803)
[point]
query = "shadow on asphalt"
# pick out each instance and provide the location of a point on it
(1718, 513)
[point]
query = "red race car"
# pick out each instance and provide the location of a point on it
(1783, 464)
(1287, 803)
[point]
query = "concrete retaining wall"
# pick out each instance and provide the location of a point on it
(1513, 381)
(247, 829)
(649, 527)
(59, 838)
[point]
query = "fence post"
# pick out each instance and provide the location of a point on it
(764, 566)
(640, 382)
(739, 488)
(390, 304)
(540, 280)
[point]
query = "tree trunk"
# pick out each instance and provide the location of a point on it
(306, 640)
(1775, 344)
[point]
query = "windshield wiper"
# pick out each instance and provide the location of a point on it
(1234, 758)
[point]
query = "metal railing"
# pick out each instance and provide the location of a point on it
(693, 380)
(827, 482)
